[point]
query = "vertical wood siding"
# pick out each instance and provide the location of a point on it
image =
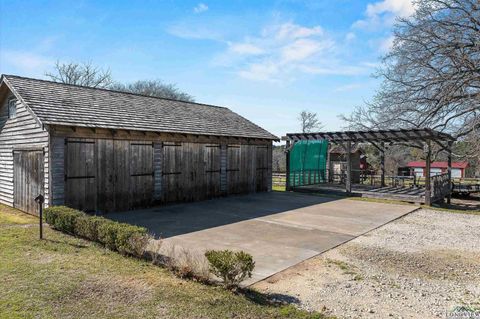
(157, 166)
(21, 132)
(130, 173)
(223, 168)
(57, 176)
(27, 179)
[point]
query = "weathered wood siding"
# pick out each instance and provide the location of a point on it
(134, 169)
(28, 179)
(21, 132)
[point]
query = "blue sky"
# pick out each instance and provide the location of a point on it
(266, 60)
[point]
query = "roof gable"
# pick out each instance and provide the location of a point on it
(71, 105)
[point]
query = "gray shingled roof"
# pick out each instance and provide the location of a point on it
(63, 104)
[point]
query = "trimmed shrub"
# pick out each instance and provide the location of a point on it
(107, 234)
(131, 240)
(124, 238)
(231, 267)
(63, 218)
(87, 226)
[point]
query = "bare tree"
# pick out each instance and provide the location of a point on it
(154, 88)
(84, 74)
(279, 163)
(309, 121)
(431, 77)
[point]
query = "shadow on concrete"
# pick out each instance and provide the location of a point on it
(177, 219)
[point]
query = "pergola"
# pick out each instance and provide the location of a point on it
(381, 139)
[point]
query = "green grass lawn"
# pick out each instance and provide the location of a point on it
(67, 277)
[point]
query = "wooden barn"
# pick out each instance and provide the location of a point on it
(101, 150)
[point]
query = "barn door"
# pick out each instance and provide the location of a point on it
(141, 174)
(28, 179)
(261, 169)
(80, 174)
(211, 159)
(172, 174)
(233, 169)
(124, 174)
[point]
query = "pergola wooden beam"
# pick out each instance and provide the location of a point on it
(379, 138)
(398, 135)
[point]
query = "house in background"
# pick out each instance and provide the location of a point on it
(101, 150)
(417, 168)
(337, 163)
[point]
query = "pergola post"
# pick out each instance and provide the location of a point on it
(428, 193)
(382, 164)
(328, 173)
(449, 171)
(348, 182)
(287, 173)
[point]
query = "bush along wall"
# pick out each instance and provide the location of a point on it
(124, 238)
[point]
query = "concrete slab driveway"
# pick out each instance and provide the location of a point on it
(279, 229)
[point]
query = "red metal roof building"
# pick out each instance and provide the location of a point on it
(418, 168)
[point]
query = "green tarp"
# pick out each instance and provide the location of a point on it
(308, 161)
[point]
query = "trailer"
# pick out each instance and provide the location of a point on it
(465, 187)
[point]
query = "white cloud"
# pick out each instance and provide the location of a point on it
(280, 52)
(26, 62)
(386, 44)
(337, 69)
(350, 36)
(303, 48)
(383, 13)
(284, 51)
(349, 87)
(201, 7)
(402, 8)
(245, 48)
(292, 31)
(260, 71)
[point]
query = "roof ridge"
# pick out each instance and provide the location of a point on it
(114, 91)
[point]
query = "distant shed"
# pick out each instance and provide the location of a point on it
(101, 150)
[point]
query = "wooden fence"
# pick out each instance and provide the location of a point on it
(440, 187)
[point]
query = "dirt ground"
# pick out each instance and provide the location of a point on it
(419, 266)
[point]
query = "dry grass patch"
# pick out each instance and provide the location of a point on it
(68, 277)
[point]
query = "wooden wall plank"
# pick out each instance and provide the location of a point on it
(157, 164)
(28, 179)
(19, 132)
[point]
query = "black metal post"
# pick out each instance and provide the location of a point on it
(449, 171)
(40, 200)
(428, 190)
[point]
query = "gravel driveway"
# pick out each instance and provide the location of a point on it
(419, 266)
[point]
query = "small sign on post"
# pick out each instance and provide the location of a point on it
(40, 200)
